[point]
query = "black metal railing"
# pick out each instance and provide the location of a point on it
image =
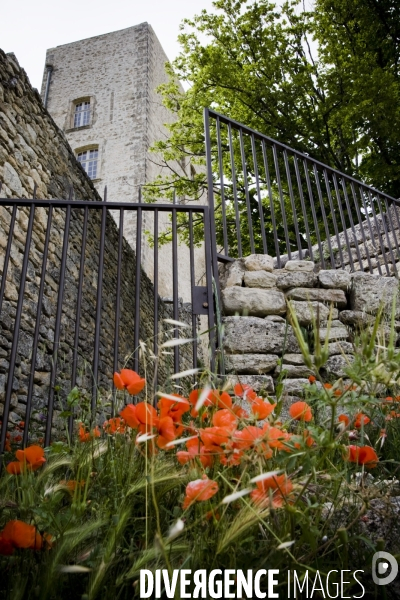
(76, 303)
(268, 198)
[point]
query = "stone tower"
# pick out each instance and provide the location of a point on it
(101, 92)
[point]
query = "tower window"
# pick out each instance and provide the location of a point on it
(88, 160)
(82, 113)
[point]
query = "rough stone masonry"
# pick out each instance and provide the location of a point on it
(259, 341)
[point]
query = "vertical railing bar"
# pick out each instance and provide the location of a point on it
(295, 220)
(379, 233)
(303, 206)
(328, 190)
(271, 204)
(138, 274)
(282, 201)
(260, 206)
(346, 199)
(211, 221)
(325, 220)
(37, 327)
(175, 296)
(78, 311)
(314, 215)
(192, 285)
(234, 189)
(386, 230)
(246, 191)
(7, 255)
(57, 327)
(211, 317)
(155, 345)
(360, 189)
(14, 347)
(393, 229)
(118, 302)
(96, 349)
(221, 177)
(361, 226)
(397, 216)
(343, 220)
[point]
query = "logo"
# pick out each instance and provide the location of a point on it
(384, 568)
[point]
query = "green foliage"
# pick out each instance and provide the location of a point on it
(122, 512)
(325, 82)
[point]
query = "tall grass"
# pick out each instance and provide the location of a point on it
(124, 512)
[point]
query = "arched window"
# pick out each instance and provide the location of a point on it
(82, 113)
(89, 160)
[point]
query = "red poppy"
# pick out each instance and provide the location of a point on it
(312, 379)
(86, 436)
(147, 416)
(328, 386)
(242, 390)
(166, 431)
(280, 487)
(173, 408)
(200, 490)
(261, 409)
(21, 535)
(130, 381)
(300, 411)
(114, 425)
(344, 419)
(195, 449)
(215, 436)
(362, 455)
(32, 458)
(72, 484)
(224, 418)
(240, 412)
(361, 419)
(276, 438)
(129, 415)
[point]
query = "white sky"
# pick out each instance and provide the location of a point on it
(29, 27)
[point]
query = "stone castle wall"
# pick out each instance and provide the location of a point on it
(259, 341)
(34, 150)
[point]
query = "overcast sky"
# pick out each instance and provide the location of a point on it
(29, 27)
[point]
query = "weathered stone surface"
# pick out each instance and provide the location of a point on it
(355, 317)
(294, 387)
(341, 347)
(299, 265)
(339, 279)
(335, 333)
(253, 301)
(293, 359)
(307, 311)
(337, 297)
(252, 364)
(259, 262)
(291, 279)
(275, 318)
(247, 335)
(232, 273)
(259, 383)
(335, 365)
(294, 371)
(368, 292)
(259, 279)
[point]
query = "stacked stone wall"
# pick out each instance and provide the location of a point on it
(259, 341)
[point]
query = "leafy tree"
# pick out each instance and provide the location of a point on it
(325, 82)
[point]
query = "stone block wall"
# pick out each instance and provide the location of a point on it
(34, 150)
(259, 341)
